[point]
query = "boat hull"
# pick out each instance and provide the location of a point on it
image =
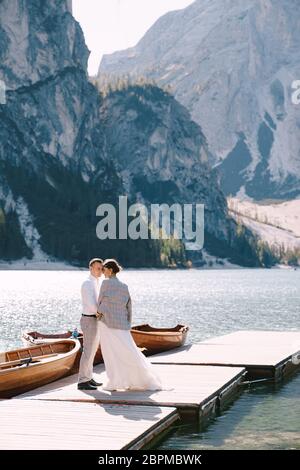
(34, 338)
(159, 339)
(151, 340)
(17, 380)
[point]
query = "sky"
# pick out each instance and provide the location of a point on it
(113, 25)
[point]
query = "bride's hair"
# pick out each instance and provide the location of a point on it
(112, 264)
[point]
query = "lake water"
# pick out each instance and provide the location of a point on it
(212, 303)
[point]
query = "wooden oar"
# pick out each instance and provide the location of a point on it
(25, 360)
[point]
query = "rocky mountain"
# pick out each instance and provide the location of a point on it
(52, 143)
(232, 64)
(162, 157)
(65, 148)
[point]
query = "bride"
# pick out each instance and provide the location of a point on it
(126, 367)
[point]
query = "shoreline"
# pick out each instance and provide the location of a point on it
(28, 265)
(31, 265)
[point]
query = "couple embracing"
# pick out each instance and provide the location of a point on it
(106, 319)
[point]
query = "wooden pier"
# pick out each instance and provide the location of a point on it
(264, 354)
(200, 380)
(191, 390)
(40, 425)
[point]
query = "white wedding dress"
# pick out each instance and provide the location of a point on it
(125, 365)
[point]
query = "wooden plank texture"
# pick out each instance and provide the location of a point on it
(32, 424)
(188, 387)
(240, 349)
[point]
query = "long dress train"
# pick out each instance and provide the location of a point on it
(126, 366)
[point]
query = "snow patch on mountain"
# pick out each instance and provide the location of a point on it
(28, 230)
(278, 224)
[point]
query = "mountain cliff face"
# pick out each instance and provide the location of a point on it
(161, 155)
(65, 148)
(50, 105)
(232, 64)
(51, 145)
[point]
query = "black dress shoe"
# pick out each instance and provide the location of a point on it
(86, 386)
(94, 383)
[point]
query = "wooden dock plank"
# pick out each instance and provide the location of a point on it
(239, 349)
(259, 337)
(188, 387)
(34, 424)
(198, 378)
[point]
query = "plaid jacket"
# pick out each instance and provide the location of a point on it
(115, 304)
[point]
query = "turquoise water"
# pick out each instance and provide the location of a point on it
(212, 303)
(263, 417)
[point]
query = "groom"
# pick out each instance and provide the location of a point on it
(90, 326)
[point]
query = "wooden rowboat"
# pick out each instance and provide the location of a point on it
(150, 340)
(159, 339)
(32, 338)
(24, 369)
